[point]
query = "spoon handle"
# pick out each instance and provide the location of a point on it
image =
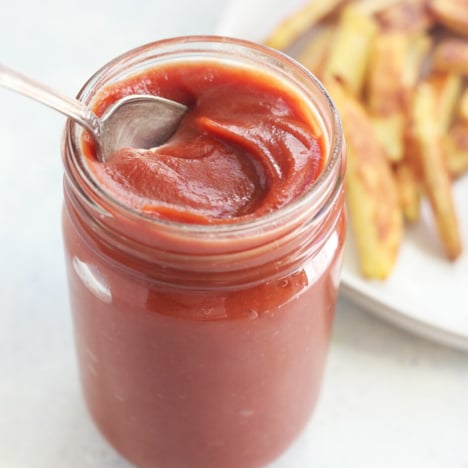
(16, 81)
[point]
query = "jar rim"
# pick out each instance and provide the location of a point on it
(327, 178)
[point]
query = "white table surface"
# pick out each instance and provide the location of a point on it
(389, 399)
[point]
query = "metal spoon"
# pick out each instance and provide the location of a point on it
(136, 121)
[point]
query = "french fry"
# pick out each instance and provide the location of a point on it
(463, 110)
(435, 176)
(371, 190)
(451, 13)
(409, 191)
(387, 93)
(455, 142)
(451, 55)
(419, 46)
(300, 22)
(349, 54)
(456, 150)
(407, 15)
(389, 130)
(447, 88)
(314, 54)
(372, 7)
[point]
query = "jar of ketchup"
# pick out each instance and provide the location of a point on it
(203, 273)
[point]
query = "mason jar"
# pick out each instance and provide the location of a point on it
(203, 346)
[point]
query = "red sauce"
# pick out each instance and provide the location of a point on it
(245, 147)
(204, 353)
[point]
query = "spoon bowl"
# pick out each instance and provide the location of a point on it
(139, 121)
(136, 121)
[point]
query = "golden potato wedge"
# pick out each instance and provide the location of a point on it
(387, 94)
(372, 196)
(456, 150)
(451, 55)
(389, 131)
(435, 176)
(314, 54)
(463, 110)
(349, 54)
(418, 55)
(372, 7)
(300, 22)
(407, 15)
(446, 88)
(451, 13)
(409, 191)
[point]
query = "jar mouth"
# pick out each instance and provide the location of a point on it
(323, 191)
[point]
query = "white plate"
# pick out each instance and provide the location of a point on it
(426, 294)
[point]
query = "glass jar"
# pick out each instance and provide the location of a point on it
(203, 346)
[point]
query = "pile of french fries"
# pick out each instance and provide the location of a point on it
(396, 70)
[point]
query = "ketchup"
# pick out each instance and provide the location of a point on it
(203, 274)
(245, 147)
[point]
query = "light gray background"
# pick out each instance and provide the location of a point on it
(389, 399)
